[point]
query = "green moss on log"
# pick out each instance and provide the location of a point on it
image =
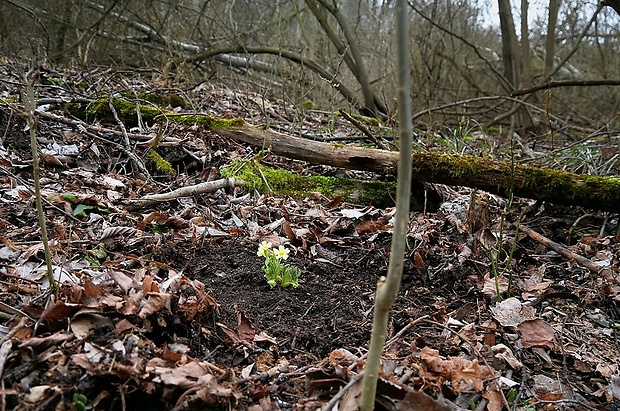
(100, 109)
(554, 186)
(126, 110)
(160, 163)
(208, 122)
(284, 183)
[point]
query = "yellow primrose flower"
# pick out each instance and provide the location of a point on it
(263, 249)
(281, 253)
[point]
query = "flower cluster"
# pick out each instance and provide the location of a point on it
(277, 273)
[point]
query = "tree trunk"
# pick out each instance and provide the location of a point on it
(554, 6)
(351, 54)
(510, 49)
(602, 193)
(526, 50)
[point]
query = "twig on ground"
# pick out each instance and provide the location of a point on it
(127, 148)
(185, 192)
(589, 264)
(363, 129)
(331, 403)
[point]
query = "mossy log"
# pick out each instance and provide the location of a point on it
(560, 187)
(279, 182)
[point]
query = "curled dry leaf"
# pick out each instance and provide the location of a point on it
(112, 232)
(154, 303)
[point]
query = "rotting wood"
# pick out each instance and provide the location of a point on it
(497, 177)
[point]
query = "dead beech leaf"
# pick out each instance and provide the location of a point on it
(154, 303)
(112, 232)
(419, 401)
(184, 376)
(418, 263)
(354, 213)
(288, 231)
(464, 375)
(170, 355)
(45, 342)
(489, 289)
(131, 305)
(342, 357)
(60, 311)
(91, 289)
(245, 330)
(125, 282)
(174, 222)
(496, 400)
(51, 160)
(349, 401)
(502, 352)
(123, 325)
(211, 393)
(147, 219)
(83, 323)
(247, 370)
(511, 313)
(369, 226)
(468, 332)
(148, 285)
(334, 203)
(486, 238)
(10, 244)
(230, 333)
(536, 333)
(264, 337)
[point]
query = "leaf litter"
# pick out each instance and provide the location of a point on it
(166, 307)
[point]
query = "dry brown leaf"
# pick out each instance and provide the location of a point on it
(125, 282)
(536, 333)
(288, 231)
(154, 303)
(234, 338)
(60, 311)
(419, 401)
(45, 342)
(112, 232)
(245, 330)
(184, 376)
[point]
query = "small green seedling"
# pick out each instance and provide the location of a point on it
(276, 273)
(80, 400)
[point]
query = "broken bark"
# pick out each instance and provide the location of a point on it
(503, 178)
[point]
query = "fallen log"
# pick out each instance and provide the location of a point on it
(497, 177)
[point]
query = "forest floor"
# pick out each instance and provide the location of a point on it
(166, 307)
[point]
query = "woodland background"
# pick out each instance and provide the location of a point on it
(298, 51)
(169, 282)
